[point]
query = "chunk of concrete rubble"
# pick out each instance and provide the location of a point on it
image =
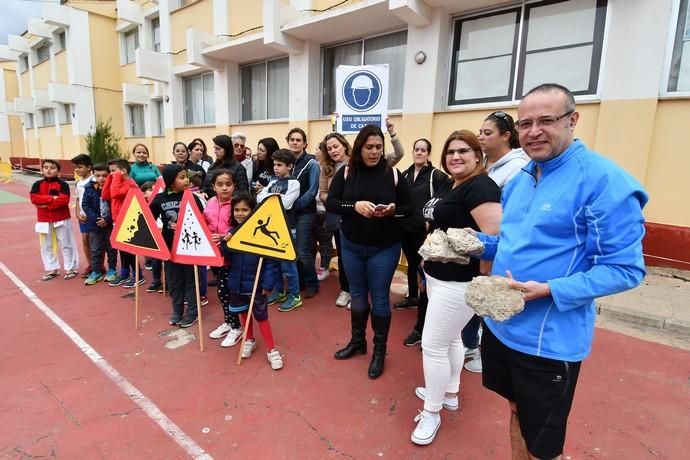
(464, 242)
(491, 296)
(437, 248)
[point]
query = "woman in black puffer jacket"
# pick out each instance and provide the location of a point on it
(225, 159)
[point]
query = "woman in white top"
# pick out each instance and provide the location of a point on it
(503, 160)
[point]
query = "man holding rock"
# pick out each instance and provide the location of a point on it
(571, 232)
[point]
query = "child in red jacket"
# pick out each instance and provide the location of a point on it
(51, 197)
(115, 190)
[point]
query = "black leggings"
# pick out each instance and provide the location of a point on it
(411, 242)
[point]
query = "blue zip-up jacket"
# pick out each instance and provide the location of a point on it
(579, 228)
(91, 205)
(242, 270)
(306, 171)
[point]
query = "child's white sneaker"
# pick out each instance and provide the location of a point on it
(275, 359)
(249, 346)
(232, 337)
(220, 331)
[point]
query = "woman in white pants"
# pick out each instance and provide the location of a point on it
(469, 199)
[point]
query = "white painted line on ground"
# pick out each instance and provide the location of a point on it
(149, 408)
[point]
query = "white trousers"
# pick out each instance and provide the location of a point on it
(443, 351)
(62, 236)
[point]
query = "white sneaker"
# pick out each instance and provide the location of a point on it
(322, 274)
(472, 353)
(343, 299)
(426, 428)
(275, 359)
(220, 331)
(249, 346)
(451, 404)
(474, 365)
(233, 336)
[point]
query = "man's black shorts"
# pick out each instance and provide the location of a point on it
(542, 389)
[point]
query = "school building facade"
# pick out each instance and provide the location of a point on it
(170, 70)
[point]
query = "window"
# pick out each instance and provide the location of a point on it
(43, 53)
(384, 49)
(23, 63)
(159, 122)
(47, 117)
(130, 43)
(135, 119)
(199, 105)
(156, 34)
(561, 42)
(65, 113)
(60, 41)
(265, 90)
(29, 120)
(679, 78)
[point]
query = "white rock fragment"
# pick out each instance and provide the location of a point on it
(455, 246)
(491, 296)
(464, 242)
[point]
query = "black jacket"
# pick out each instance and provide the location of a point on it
(239, 174)
(428, 181)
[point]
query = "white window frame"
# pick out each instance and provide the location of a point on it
(43, 46)
(126, 57)
(132, 129)
(361, 41)
(155, 45)
(65, 114)
(59, 41)
(23, 63)
(519, 53)
(29, 121)
(156, 107)
(671, 50)
(204, 78)
(47, 117)
(266, 78)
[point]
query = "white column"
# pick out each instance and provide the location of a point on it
(305, 97)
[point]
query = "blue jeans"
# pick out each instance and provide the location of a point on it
(304, 224)
(370, 271)
(289, 271)
(470, 333)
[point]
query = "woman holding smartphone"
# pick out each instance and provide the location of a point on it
(371, 197)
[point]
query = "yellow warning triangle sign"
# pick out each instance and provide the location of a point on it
(265, 233)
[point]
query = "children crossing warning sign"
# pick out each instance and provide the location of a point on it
(192, 243)
(135, 230)
(265, 233)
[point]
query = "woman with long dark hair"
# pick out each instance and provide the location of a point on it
(222, 148)
(263, 167)
(371, 197)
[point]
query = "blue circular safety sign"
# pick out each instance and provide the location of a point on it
(362, 90)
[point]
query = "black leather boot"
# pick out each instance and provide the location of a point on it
(358, 342)
(381, 326)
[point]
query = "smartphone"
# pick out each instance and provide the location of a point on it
(380, 207)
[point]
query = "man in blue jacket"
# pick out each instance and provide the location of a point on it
(571, 231)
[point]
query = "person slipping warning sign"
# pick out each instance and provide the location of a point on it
(264, 229)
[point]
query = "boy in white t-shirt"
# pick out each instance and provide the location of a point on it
(83, 175)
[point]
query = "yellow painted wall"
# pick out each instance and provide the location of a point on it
(128, 73)
(61, 74)
(243, 15)
(109, 106)
(159, 153)
(99, 7)
(71, 145)
(105, 52)
(32, 144)
(51, 147)
(198, 15)
(16, 137)
(42, 75)
(11, 84)
(667, 168)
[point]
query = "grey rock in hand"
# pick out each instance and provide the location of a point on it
(464, 242)
(492, 296)
(454, 245)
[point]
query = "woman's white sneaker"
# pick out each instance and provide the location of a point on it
(451, 404)
(220, 331)
(249, 346)
(275, 359)
(428, 424)
(231, 338)
(343, 299)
